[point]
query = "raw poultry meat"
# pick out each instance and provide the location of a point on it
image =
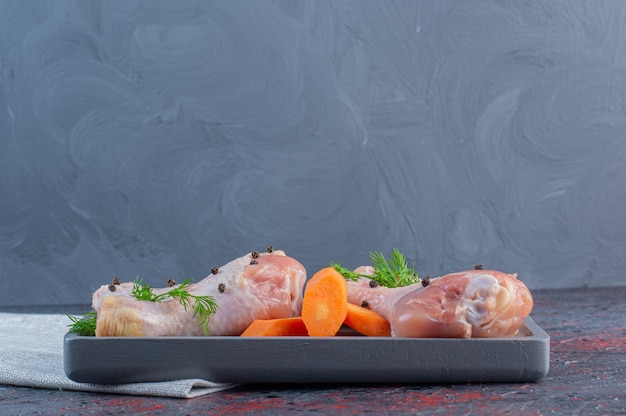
(254, 286)
(472, 303)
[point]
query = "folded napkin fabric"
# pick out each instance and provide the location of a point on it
(31, 355)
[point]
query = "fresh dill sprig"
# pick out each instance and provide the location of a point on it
(347, 273)
(142, 291)
(85, 325)
(392, 272)
(203, 306)
(395, 272)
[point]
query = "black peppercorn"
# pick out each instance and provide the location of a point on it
(214, 270)
(255, 254)
(112, 287)
(171, 282)
(373, 283)
(221, 287)
(253, 262)
(365, 304)
(426, 281)
(270, 249)
(478, 267)
(116, 281)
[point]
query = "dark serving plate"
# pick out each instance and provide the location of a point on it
(346, 358)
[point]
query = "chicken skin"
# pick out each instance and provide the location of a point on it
(254, 286)
(472, 303)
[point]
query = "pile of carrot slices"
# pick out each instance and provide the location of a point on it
(325, 308)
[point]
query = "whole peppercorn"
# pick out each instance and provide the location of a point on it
(171, 283)
(270, 249)
(112, 287)
(373, 283)
(426, 281)
(365, 304)
(214, 270)
(221, 287)
(255, 254)
(478, 267)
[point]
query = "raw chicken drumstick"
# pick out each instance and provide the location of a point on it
(255, 286)
(472, 303)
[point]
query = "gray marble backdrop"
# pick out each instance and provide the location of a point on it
(163, 138)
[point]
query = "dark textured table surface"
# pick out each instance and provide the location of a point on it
(587, 377)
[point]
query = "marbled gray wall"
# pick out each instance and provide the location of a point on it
(162, 138)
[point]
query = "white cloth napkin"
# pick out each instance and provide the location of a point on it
(31, 355)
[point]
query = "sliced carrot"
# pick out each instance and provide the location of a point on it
(325, 303)
(367, 322)
(276, 328)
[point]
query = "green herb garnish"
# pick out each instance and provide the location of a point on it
(85, 326)
(347, 273)
(203, 306)
(392, 272)
(142, 291)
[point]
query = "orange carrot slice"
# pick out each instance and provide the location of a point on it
(367, 322)
(276, 328)
(325, 303)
